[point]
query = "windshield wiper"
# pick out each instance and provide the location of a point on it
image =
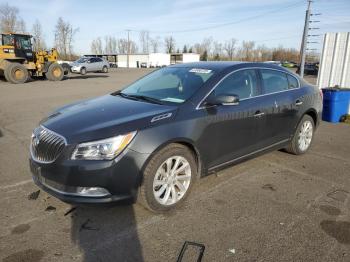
(142, 97)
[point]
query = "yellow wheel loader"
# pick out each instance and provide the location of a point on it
(18, 61)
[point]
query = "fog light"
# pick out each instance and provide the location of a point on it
(92, 191)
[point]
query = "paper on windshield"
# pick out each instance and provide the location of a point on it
(200, 71)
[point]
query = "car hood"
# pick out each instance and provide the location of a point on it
(104, 117)
(77, 64)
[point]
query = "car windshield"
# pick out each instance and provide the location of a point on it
(82, 60)
(170, 84)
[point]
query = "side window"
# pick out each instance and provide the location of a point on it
(98, 59)
(274, 81)
(242, 83)
(293, 82)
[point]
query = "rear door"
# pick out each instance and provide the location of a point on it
(281, 104)
(99, 64)
(231, 130)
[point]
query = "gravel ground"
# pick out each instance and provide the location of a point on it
(277, 207)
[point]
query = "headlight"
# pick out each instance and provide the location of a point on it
(105, 149)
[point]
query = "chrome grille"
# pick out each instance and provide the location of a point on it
(46, 145)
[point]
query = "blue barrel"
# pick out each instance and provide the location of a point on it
(336, 104)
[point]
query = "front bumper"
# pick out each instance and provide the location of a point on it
(75, 69)
(120, 177)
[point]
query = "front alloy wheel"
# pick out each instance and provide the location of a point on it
(172, 180)
(168, 178)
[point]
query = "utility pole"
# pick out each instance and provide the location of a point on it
(304, 40)
(128, 49)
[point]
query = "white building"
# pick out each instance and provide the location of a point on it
(156, 59)
(135, 60)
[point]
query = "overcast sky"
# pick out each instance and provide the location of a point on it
(269, 22)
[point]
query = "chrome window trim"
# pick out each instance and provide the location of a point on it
(247, 155)
(198, 107)
(30, 146)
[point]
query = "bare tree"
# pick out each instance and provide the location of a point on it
(198, 48)
(110, 45)
(263, 53)
(145, 41)
(133, 47)
(207, 44)
(37, 32)
(10, 20)
(96, 46)
(64, 38)
(217, 50)
(123, 46)
(169, 44)
(247, 50)
(155, 43)
(230, 47)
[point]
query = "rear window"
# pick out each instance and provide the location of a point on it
(274, 81)
(293, 82)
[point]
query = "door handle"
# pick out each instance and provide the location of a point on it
(298, 103)
(259, 114)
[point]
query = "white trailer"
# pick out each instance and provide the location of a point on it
(158, 60)
(135, 60)
(190, 57)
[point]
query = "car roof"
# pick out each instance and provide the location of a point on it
(223, 65)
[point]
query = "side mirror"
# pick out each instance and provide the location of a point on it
(225, 100)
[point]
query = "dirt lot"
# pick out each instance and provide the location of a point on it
(277, 207)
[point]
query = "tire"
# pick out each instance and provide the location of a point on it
(83, 71)
(105, 69)
(155, 179)
(16, 73)
(55, 72)
(66, 68)
(297, 146)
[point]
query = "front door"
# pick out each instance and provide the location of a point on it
(233, 129)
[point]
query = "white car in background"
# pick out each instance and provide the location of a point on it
(90, 64)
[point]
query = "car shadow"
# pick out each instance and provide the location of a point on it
(72, 77)
(106, 233)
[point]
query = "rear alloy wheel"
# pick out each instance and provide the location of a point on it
(303, 136)
(105, 69)
(55, 72)
(168, 178)
(16, 73)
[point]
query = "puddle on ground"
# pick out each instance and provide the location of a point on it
(338, 195)
(34, 195)
(20, 229)
(29, 255)
(330, 210)
(269, 187)
(340, 230)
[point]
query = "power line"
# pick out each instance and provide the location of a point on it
(287, 7)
